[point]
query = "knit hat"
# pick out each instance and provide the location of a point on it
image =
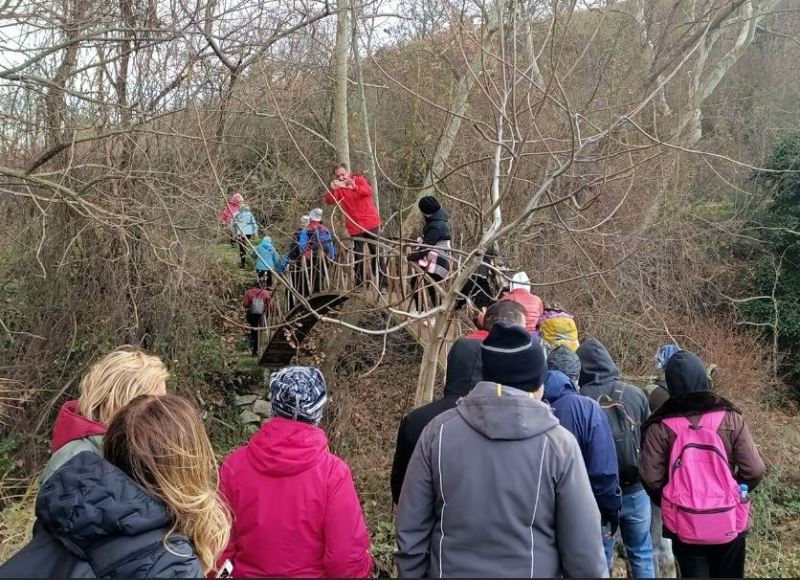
(429, 205)
(665, 352)
(298, 393)
(520, 281)
(304, 219)
(315, 215)
(512, 358)
(563, 359)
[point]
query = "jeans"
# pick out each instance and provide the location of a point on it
(634, 526)
(711, 561)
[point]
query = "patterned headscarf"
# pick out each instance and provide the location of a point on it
(563, 359)
(298, 393)
(665, 352)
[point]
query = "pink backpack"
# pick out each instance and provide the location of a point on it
(701, 502)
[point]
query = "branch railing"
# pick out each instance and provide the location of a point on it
(390, 276)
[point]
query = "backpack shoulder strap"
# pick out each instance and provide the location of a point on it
(677, 424)
(712, 421)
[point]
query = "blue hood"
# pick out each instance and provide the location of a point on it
(557, 385)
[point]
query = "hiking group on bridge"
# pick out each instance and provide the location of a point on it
(537, 459)
(312, 247)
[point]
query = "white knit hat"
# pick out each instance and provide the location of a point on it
(520, 281)
(315, 215)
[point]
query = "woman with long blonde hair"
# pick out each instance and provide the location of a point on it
(111, 382)
(147, 508)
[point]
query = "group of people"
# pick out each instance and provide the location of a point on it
(527, 466)
(132, 488)
(350, 191)
(538, 454)
(312, 247)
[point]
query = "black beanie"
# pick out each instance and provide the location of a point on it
(429, 205)
(512, 358)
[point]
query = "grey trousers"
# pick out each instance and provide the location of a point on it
(663, 560)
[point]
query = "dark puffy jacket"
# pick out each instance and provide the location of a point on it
(584, 418)
(463, 373)
(437, 229)
(599, 376)
(93, 521)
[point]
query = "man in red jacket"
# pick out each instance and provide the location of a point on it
(520, 292)
(353, 194)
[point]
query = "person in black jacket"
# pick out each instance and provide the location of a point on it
(91, 520)
(147, 508)
(433, 256)
(627, 405)
(463, 373)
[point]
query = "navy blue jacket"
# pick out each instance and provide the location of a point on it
(584, 418)
(93, 521)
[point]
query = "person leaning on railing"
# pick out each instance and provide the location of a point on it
(433, 256)
(316, 244)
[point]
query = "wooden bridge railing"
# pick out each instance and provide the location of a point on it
(391, 284)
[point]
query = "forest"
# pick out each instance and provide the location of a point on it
(639, 159)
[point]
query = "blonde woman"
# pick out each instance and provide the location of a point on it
(110, 384)
(148, 509)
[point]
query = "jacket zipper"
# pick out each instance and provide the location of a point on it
(678, 461)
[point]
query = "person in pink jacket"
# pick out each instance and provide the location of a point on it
(293, 503)
(231, 208)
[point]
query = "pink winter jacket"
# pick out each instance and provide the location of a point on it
(531, 303)
(294, 507)
(230, 210)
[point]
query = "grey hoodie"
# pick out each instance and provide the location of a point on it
(496, 487)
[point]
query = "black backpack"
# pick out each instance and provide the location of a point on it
(627, 435)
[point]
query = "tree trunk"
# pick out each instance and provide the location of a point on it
(705, 79)
(441, 154)
(341, 54)
(364, 113)
(54, 96)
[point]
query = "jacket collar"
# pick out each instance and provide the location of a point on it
(690, 404)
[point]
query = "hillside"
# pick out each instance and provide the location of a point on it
(639, 160)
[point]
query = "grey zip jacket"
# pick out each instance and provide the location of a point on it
(496, 487)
